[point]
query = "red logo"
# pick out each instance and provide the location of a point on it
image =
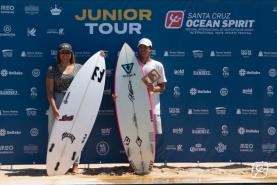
(174, 19)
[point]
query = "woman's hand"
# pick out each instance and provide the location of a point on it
(56, 113)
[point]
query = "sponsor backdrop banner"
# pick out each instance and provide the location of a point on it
(220, 62)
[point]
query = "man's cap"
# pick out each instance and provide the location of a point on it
(65, 46)
(145, 41)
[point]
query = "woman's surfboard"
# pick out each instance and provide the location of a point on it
(78, 112)
(134, 112)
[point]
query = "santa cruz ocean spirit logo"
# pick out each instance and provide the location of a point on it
(174, 19)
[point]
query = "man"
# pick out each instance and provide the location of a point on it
(148, 64)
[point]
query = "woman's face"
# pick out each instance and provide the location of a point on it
(65, 55)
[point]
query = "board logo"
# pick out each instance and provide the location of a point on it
(128, 67)
(95, 74)
(66, 118)
(127, 140)
(68, 135)
(66, 98)
(139, 141)
(131, 92)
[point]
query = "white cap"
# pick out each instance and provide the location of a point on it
(145, 41)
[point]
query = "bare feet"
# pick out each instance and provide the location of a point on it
(75, 169)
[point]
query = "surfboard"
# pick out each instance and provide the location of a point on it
(134, 112)
(78, 112)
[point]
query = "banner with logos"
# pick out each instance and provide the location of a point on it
(219, 59)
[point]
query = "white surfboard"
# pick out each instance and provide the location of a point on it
(134, 112)
(78, 112)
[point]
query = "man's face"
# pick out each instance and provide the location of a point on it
(144, 51)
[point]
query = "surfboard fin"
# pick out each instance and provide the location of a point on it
(51, 147)
(73, 156)
(57, 166)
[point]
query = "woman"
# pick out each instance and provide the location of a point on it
(58, 80)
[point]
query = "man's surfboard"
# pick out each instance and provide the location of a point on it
(134, 112)
(78, 112)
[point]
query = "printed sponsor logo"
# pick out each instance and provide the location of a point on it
(224, 130)
(224, 91)
(217, 23)
(246, 53)
(198, 53)
(270, 91)
(242, 111)
(56, 10)
(115, 21)
(6, 149)
(221, 110)
(271, 131)
(225, 72)
(194, 91)
(200, 131)
(34, 132)
(221, 54)
(31, 54)
(84, 54)
(174, 53)
(31, 9)
(244, 72)
(33, 92)
(106, 131)
(4, 132)
(7, 31)
(9, 92)
(246, 147)
(4, 113)
(178, 147)
(242, 131)
(269, 111)
(220, 148)
(36, 73)
(247, 91)
(178, 131)
(107, 91)
(102, 148)
(5, 73)
(107, 112)
(7, 53)
(31, 112)
(7, 9)
(176, 92)
(174, 19)
(174, 111)
(55, 31)
(197, 148)
(31, 32)
(195, 111)
(179, 72)
(267, 54)
(272, 72)
(31, 149)
(109, 72)
(269, 147)
(201, 72)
